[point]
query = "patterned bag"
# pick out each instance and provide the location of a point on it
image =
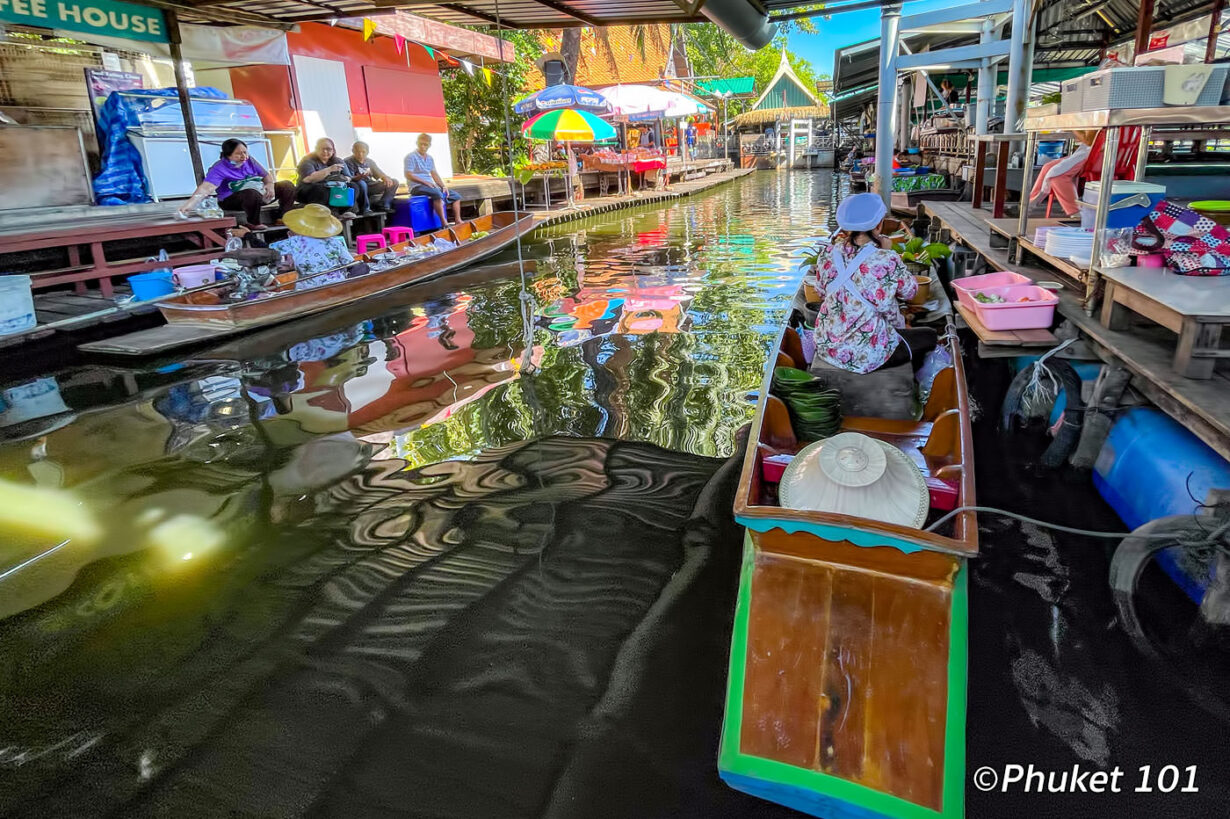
(1194, 245)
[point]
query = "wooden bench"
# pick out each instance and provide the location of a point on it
(1194, 307)
(93, 232)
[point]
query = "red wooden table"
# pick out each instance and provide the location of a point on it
(92, 232)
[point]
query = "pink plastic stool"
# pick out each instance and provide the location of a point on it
(369, 240)
(396, 235)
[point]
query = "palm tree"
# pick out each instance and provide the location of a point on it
(570, 45)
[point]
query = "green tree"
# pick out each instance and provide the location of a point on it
(476, 110)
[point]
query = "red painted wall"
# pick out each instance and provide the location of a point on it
(412, 102)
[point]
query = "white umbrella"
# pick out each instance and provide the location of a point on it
(629, 100)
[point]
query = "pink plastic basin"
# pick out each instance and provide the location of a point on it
(969, 284)
(194, 275)
(1036, 314)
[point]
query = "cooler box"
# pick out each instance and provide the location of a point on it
(1139, 87)
(1072, 96)
(1128, 216)
(1048, 151)
(416, 213)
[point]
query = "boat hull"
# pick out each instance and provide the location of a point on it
(879, 731)
(846, 689)
(229, 318)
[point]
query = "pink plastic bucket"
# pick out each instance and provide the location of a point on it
(969, 284)
(193, 275)
(1036, 314)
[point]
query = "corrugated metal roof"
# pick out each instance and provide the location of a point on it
(736, 86)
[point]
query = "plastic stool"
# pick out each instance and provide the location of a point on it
(396, 235)
(369, 240)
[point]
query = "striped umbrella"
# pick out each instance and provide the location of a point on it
(562, 96)
(567, 125)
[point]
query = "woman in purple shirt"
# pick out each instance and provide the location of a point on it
(242, 185)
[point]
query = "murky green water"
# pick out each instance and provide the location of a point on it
(263, 520)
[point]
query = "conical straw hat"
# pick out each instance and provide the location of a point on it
(852, 474)
(313, 220)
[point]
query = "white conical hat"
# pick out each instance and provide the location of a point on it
(852, 474)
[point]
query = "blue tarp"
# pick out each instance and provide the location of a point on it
(122, 181)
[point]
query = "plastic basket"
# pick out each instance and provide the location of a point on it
(965, 286)
(1037, 314)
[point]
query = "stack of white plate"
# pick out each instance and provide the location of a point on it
(1040, 235)
(1065, 243)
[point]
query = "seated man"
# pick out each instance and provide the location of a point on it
(374, 184)
(423, 180)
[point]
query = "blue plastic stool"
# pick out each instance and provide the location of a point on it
(415, 212)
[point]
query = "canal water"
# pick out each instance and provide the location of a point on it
(432, 556)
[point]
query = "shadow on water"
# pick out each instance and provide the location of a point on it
(415, 558)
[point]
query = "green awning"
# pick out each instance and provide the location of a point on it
(735, 86)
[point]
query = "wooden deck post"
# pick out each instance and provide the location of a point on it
(1210, 49)
(181, 85)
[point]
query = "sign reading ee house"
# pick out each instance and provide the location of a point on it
(109, 17)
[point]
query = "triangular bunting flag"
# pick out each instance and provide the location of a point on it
(430, 53)
(369, 29)
(487, 75)
(399, 43)
(468, 66)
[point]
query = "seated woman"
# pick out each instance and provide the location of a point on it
(314, 246)
(320, 172)
(859, 325)
(1059, 176)
(374, 184)
(241, 185)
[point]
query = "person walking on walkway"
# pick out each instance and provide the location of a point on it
(241, 184)
(423, 180)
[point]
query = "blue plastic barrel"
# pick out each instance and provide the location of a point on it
(1151, 467)
(146, 286)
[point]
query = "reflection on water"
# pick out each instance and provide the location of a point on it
(304, 535)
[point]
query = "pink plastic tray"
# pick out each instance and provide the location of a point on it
(969, 284)
(1037, 314)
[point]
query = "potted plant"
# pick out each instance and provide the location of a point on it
(920, 255)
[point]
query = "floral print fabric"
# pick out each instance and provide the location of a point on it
(851, 334)
(313, 255)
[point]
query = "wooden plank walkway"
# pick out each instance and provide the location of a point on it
(1146, 350)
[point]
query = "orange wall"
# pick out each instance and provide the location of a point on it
(270, 87)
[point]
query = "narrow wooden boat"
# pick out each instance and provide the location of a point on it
(846, 693)
(203, 315)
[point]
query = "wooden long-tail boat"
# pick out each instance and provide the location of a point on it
(205, 314)
(846, 693)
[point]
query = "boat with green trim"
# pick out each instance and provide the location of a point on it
(846, 692)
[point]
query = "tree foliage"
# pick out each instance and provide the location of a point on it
(476, 110)
(715, 53)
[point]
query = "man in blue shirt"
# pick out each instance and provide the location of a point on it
(423, 180)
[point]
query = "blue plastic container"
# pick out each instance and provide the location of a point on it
(1143, 469)
(1048, 151)
(146, 286)
(415, 213)
(1152, 467)
(1128, 217)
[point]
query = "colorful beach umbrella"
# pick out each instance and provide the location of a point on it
(568, 126)
(562, 96)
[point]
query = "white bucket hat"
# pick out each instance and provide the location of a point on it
(862, 211)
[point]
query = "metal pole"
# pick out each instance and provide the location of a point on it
(986, 81)
(1110, 150)
(181, 85)
(1027, 181)
(890, 29)
(1019, 68)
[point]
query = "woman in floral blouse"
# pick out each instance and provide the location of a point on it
(859, 325)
